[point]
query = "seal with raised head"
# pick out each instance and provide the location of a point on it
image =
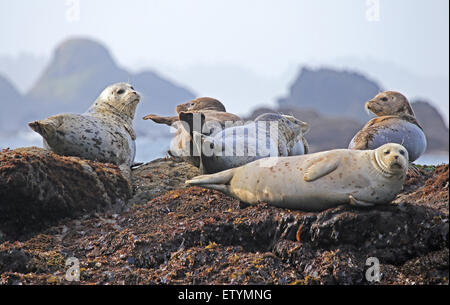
(316, 181)
(395, 123)
(213, 113)
(103, 133)
(239, 145)
(212, 108)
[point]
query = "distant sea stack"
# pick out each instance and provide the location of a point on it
(80, 69)
(11, 102)
(331, 92)
(433, 124)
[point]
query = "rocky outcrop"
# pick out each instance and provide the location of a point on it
(38, 188)
(433, 125)
(198, 236)
(11, 101)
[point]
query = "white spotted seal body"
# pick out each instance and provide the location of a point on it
(316, 181)
(239, 145)
(395, 123)
(103, 133)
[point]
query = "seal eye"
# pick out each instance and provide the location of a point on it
(402, 152)
(387, 152)
(131, 88)
(384, 99)
(120, 91)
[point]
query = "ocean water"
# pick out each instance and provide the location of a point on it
(148, 149)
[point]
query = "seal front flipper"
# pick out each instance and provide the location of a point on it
(168, 120)
(319, 168)
(359, 203)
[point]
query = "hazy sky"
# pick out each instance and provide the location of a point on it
(266, 37)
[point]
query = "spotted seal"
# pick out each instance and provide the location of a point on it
(316, 181)
(103, 133)
(214, 113)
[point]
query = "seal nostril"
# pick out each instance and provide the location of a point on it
(396, 157)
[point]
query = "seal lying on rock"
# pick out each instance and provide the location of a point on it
(104, 133)
(213, 111)
(270, 134)
(396, 123)
(317, 181)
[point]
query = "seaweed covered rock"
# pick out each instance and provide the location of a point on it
(38, 187)
(158, 177)
(198, 236)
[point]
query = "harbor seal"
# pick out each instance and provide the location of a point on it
(395, 123)
(214, 113)
(316, 181)
(212, 109)
(270, 134)
(103, 133)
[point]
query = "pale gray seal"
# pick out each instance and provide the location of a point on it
(316, 181)
(103, 133)
(396, 123)
(270, 134)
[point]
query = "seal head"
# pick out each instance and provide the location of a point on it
(389, 103)
(118, 100)
(201, 103)
(391, 159)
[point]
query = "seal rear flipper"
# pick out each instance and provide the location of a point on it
(219, 181)
(320, 168)
(359, 203)
(223, 177)
(46, 127)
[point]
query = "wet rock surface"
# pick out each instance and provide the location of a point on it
(180, 235)
(159, 176)
(38, 188)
